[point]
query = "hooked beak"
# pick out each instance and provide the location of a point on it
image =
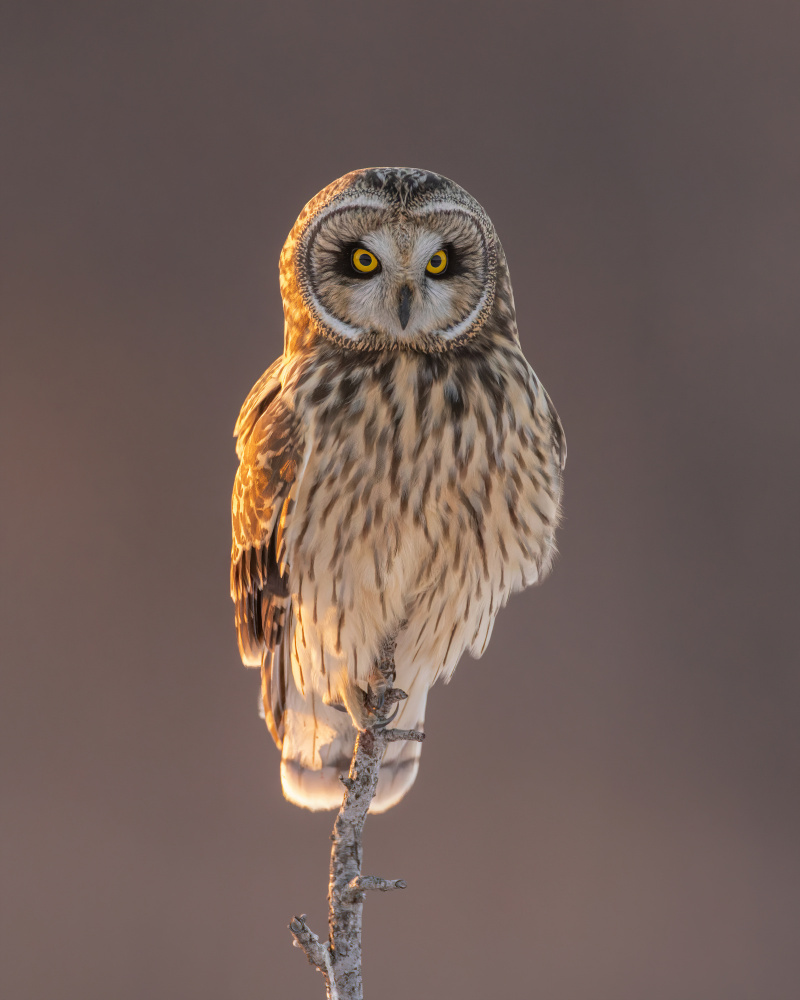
(404, 305)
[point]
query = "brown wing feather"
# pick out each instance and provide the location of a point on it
(269, 445)
(258, 399)
(559, 438)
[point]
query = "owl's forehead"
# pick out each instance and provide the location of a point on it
(403, 195)
(403, 219)
(361, 215)
(404, 187)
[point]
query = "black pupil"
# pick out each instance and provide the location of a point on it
(364, 260)
(436, 260)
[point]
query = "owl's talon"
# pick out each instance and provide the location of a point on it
(382, 723)
(376, 705)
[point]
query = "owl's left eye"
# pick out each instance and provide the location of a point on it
(364, 261)
(438, 263)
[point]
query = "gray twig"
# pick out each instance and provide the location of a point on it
(306, 939)
(339, 960)
(363, 883)
(392, 735)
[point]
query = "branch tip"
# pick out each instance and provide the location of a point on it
(308, 941)
(356, 887)
(392, 735)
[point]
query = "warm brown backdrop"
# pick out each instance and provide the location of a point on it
(609, 805)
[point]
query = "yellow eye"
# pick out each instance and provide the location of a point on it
(438, 263)
(364, 260)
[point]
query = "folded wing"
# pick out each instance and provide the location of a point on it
(269, 445)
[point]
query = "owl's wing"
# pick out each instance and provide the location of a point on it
(557, 428)
(269, 445)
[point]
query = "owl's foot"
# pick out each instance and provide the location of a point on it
(377, 705)
(371, 709)
(382, 721)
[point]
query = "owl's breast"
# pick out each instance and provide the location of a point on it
(423, 501)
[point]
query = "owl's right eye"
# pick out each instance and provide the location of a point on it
(364, 261)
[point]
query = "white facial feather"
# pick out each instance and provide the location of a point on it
(355, 305)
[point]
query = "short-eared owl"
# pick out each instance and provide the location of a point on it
(400, 472)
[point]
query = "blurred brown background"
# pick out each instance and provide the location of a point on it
(608, 803)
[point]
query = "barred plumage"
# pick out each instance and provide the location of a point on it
(400, 470)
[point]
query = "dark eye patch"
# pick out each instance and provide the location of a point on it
(341, 262)
(455, 264)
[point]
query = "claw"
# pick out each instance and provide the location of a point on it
(384, 722)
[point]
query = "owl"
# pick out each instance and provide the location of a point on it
(400, 471)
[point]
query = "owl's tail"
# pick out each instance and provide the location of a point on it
(317, 742)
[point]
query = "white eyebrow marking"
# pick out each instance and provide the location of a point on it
(442, 206)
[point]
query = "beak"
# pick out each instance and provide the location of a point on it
(404, 305)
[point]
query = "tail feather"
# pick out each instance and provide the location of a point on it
(318, 742)
(317, 747)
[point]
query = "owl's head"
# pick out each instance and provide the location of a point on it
(391, 258)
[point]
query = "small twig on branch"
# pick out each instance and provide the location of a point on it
(392, 735)
(340, 960)
(357, 886)
(306, 939)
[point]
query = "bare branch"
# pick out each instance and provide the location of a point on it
(340, 961)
